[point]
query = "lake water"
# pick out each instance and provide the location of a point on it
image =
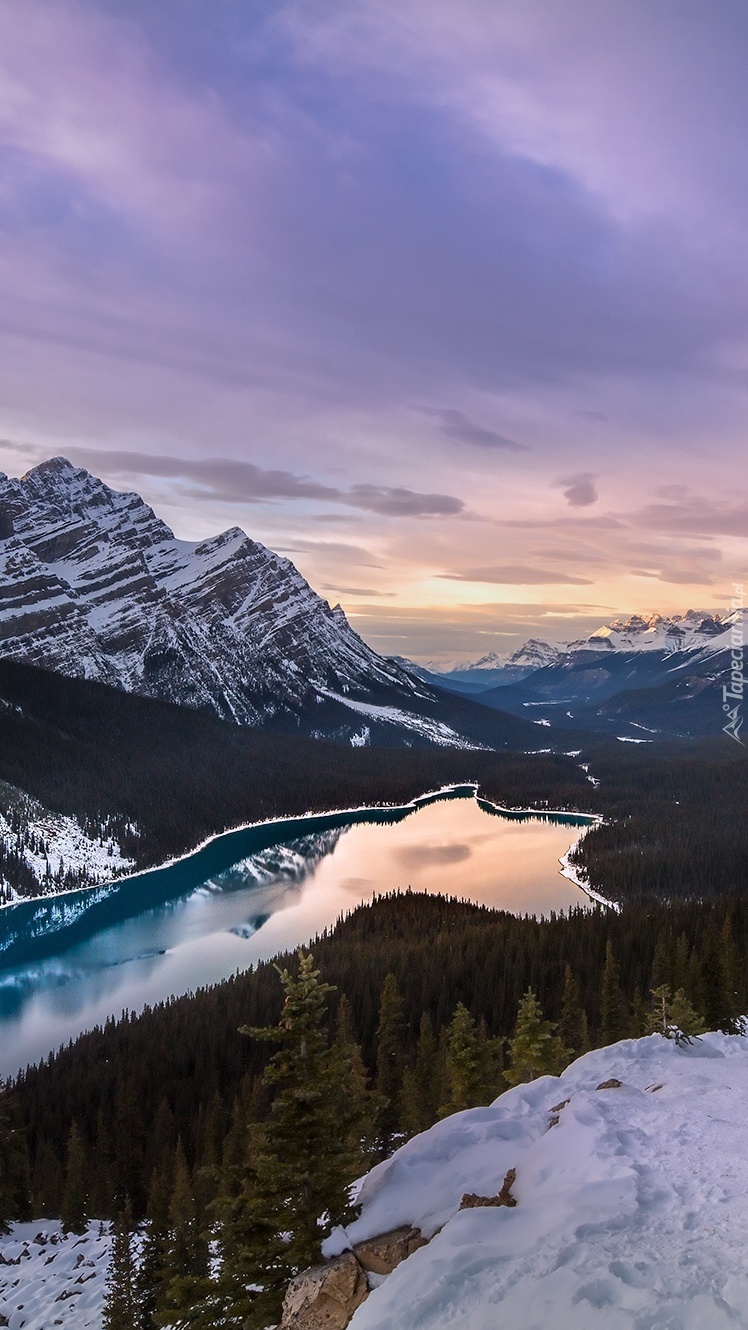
(68, 963)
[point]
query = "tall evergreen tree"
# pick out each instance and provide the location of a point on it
(572, 1027)
(391, 1046)
(120, 1299)
(300, 1162)
(718, 998)
(14, 1164)
(421, 1088)
(75, 1191)
(359, 1106)
(612, 1019)
(153, 1267)
(471, 1071)
(186, 1260)
(534, 1049)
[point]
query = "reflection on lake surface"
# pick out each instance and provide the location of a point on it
(72, 962)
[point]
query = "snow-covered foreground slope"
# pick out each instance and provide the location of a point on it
(48, 1279)
(632, 1207)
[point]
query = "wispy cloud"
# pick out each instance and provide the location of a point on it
(516, 575)
(456, 425)
(229, 480)
(580, 490)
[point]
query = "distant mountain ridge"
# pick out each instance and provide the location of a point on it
(636, 678)
(640, 632)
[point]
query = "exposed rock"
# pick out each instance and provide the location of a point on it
(324, 1297)
(94, 584)
(612, 1084)
(471, 1200)
(380, 1255)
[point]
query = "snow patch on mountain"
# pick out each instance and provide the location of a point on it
(435, 730)
(632, 1200)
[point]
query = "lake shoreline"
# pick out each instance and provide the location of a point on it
(418, 801)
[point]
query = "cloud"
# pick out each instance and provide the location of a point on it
(515, 575)
(331, 550)
(579, 490)
(695, 516)
(232, 481)
(456, 425)
(356, 591)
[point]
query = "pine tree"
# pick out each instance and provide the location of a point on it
(299, 1163)
(390, 1061)
(673, 1016)
(534, 1049)
(421, 1088)
(684, 1017)
(186, 1259)
(75, 1190)
(120, 1299)
(638, 1016)
(718, 999)
(472, 1071)
(572, 1027)
(611, 1007)
(14, 1164)
(153, 1268)
(359, 1106)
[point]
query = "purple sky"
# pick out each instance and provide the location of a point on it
(447, 299)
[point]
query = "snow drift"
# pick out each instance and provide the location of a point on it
(632, 1201)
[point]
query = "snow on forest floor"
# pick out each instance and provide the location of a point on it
(52, 843)
(632, 1209)
(48, 1279)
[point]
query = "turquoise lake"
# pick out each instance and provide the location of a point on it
(70, 962)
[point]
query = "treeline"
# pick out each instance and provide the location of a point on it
(674, 822)
(178, 1077)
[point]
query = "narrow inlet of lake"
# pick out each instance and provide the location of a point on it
(90, 956)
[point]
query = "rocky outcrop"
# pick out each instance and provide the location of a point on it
(381, 1255)
(325, 1296)
(472, 1201)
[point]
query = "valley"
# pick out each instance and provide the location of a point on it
(204, 770)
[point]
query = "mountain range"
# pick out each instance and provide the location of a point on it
(94, 585)
(637, 678)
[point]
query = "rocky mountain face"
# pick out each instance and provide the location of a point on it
(94, 584)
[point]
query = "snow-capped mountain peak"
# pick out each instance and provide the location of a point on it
(93, 583)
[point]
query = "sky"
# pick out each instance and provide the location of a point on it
(447, 300)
